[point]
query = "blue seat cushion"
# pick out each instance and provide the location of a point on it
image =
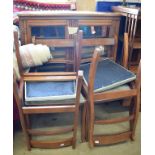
(108, 75)
(55, 90)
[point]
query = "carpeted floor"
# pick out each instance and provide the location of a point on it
(125, 148)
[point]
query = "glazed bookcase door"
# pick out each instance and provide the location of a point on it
(47, 29)
(99, 29)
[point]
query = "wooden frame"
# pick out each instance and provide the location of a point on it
(131, 96)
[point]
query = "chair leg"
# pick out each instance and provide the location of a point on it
(83, 128)
(28, 124)
(91, 125)
(27, 121)
(87, 122)
(27, 137)
(28, 141)
(86, 119)
(131, 112)
(136, 113)
(76, 114)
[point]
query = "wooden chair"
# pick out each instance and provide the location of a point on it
(132, 15)
(130, 28)
(128, 91)
(28, 102)
(60, 62)
(28, 106)
(84, 54)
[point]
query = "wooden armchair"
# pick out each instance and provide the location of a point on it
(107, 81)
(42, 93)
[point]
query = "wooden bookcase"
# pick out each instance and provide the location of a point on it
(57, 24)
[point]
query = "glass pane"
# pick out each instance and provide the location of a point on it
(55, 32)
(88, 52)
(94, 31)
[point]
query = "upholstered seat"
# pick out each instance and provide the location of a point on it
(42, 91)
(109, 75)
(46, 93)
